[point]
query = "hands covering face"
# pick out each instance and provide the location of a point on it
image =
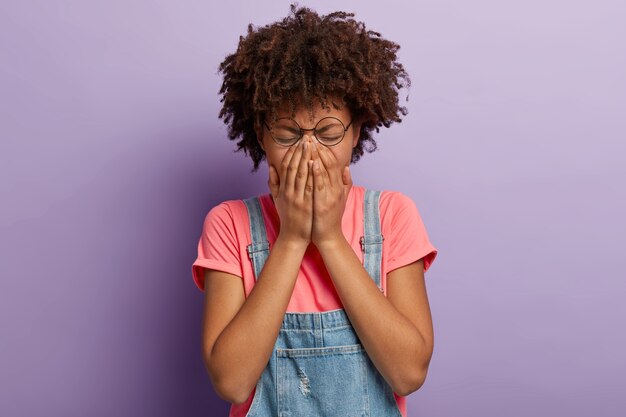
(310, 190)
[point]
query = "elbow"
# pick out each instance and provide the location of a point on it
(231, 394)
(409, 387)
(225, 386)
(410, 383)
(413, 375)
(228, 389)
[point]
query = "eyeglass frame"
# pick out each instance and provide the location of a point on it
(313, 129)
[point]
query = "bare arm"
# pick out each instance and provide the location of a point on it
(396, 331)
(239, 334)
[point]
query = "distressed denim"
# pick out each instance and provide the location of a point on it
(318, 366)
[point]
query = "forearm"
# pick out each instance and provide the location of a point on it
(243, 349)
(393, 343)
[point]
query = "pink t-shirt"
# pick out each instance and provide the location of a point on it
(226, 234)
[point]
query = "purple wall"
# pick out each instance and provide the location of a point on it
(112, 154)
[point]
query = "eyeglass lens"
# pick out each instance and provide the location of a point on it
(328, 130)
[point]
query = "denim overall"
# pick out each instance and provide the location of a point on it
(318, 366)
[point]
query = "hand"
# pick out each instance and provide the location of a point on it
(292, 192)
(331, 184)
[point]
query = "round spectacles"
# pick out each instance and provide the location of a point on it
(329, 131)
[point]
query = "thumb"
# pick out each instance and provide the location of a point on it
(346, 176)
(273, 182)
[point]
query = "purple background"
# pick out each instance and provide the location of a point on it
(112, 154)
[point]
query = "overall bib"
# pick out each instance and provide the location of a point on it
(318, 366)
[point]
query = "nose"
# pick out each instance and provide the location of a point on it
(304, 139)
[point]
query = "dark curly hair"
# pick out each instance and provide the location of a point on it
(307, 57)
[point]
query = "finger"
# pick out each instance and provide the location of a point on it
(314, 150)
(303, 168)
(274, 182)
(308, 189)
(292, 168)
(284, 164)
(318, 177)
(323, 168)
(329, 161)
(347, 176)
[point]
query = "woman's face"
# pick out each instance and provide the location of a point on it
(342, 151)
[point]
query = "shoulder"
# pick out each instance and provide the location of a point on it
(390, 201)
(229, 212)
(395, 201)
(399, 213)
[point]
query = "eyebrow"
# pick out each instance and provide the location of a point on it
(328, 126)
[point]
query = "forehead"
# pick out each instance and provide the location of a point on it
(306, 115)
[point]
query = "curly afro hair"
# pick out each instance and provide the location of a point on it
(307, 57)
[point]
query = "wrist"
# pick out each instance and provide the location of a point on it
(330, 243)
(293, 243)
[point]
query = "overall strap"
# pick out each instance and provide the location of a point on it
(372, 239)
(258, 250)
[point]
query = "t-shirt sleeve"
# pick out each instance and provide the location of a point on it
(409, 239)
(218, 245)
